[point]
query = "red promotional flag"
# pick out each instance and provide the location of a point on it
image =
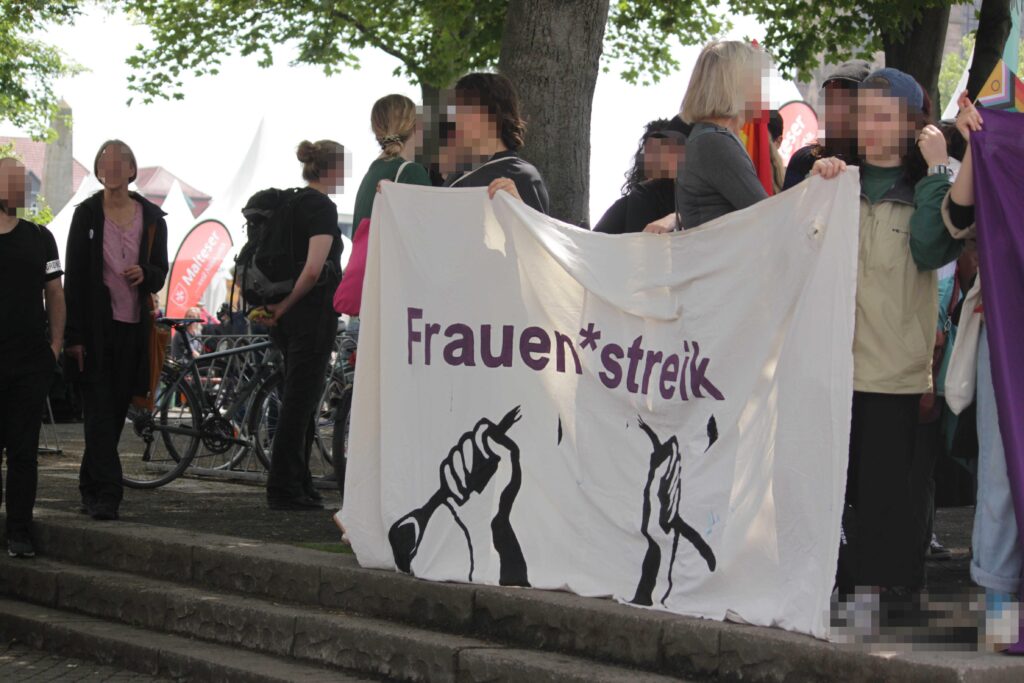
(799, 127)
(199, 257)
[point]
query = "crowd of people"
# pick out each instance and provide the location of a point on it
(915, 220)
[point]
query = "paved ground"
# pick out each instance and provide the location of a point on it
(211, 506)
(20, 663)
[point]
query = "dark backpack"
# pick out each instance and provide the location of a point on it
(266, 267)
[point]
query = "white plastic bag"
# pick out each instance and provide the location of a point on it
(962, 373)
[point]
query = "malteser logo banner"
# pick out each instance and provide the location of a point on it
(661, 419)
(199, 256)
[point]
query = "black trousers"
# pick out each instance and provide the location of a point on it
(22, 398)
(106, 407)
(305, 335)
(885, 533)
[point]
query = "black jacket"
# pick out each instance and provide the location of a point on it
(88, 299)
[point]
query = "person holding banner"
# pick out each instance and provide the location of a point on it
(396, 126)
(303, 326)
(394, 122)
(725, 91)
(116, 259)
(997, 561)
(840, 91)
(904, 178)
(649, 192)
(489, 131)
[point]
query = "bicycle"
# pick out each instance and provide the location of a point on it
(192, 411)
(335, 396)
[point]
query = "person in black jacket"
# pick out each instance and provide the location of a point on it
(649, 192)
(116, 260)
(484, 145)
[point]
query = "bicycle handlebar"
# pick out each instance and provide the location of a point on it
(179, 322)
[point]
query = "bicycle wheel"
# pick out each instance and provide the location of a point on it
(156, 446)
(263, 416)
(266, 409)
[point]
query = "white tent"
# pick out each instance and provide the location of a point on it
(179, 219)
(268, 162)
(61, 223)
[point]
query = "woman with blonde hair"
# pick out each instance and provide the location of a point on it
(395, 124)
(725, 91)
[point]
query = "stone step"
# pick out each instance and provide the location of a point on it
(595, 629)
(317, 636)
(157, 654)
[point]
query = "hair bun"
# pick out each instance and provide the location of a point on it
(306, 151)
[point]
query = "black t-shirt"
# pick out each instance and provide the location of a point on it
(645, 203)
(315, 214)
(529, 183)
(28, 259)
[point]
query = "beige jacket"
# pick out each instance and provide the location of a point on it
(897, 301)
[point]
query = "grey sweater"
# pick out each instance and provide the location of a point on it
(717, 178)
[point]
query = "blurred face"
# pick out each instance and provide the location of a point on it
(756, 98)
(840, 110)
(333, 179)
(115, 168)
(662, 157)
(883, 129)
(474, 126)
(13, 186)
(417, 134)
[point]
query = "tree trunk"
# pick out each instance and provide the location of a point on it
(551, 51)
(994, 23)
(918, 51)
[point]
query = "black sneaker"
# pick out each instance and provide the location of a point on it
(104, 512)
(297, 503)
(20, 547)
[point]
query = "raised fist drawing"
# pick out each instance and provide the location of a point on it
(466, 472)
(663, 538)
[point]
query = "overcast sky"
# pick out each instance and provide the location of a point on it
(203, 138)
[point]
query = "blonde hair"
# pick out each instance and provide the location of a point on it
(319, 157)
(393, 120)
(718, 85)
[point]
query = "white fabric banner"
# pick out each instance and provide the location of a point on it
(661, 419)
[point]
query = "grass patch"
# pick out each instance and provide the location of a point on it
(328, 547)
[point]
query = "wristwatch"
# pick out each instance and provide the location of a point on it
(940, 168)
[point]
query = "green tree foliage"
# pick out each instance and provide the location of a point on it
(641, 33)
(436, 41)
(28, 66)
(798, 31)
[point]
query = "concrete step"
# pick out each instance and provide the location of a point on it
(595, 629)
(157, 654)
(318, 636)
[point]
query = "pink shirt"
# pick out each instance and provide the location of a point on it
(120, 251)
